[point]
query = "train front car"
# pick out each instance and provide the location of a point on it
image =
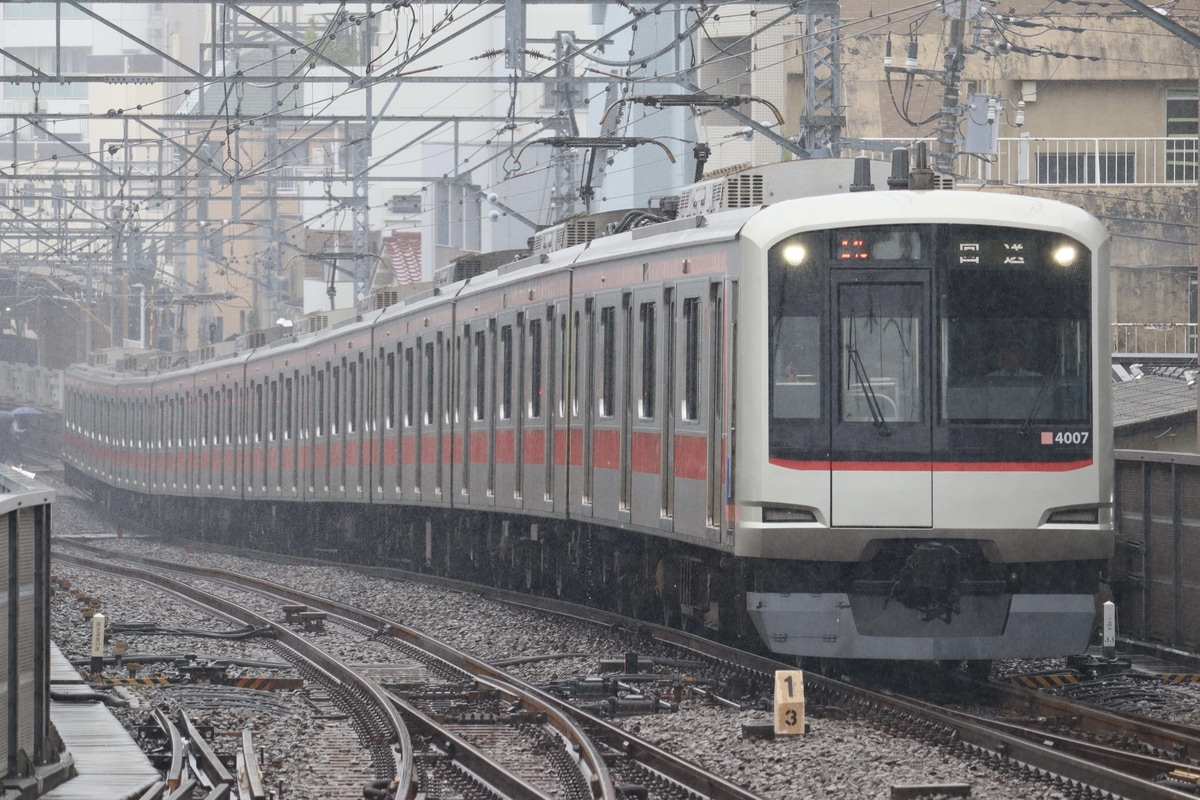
(922, 462)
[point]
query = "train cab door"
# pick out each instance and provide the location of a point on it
(882, 429)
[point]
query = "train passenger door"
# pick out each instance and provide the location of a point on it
(882, 429)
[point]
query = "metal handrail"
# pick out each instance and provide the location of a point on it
(1075, 161)
(1167, 338)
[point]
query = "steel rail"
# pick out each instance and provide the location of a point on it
(979, 736)
(1163, 735)
(175, 768)
(602, 786)
(567, 720)
(184, 792)
(337, 672)
(254, 786)
(213, 767)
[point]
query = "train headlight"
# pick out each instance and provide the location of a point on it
(1066, 255)
(794, 255)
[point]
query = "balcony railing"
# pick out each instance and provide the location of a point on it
(1161, 338)
(1035, 161)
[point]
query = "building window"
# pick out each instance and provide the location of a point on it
(1182, 130)
(1086, 168)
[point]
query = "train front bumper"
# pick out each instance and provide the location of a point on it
(838, 625)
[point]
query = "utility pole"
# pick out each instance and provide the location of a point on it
(943, 157)
(822, 123)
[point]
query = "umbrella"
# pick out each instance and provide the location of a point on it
(26, 411)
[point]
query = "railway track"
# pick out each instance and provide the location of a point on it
(1076, 760)
(478, 727)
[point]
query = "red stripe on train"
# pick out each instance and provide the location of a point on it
(934, 466)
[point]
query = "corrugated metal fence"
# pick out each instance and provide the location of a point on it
(1155, 573)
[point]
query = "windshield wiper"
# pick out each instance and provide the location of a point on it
(864, 383)
(1037, 402)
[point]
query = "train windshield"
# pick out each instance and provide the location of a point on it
(1014, 318)
(901, 328)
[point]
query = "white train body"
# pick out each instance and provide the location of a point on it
(783, 416)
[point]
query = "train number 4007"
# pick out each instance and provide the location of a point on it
(1065, 437)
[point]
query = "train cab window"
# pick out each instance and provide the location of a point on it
(880, 344)
(506, 371)
(1014, 327)
(647, 314)
(795, 301)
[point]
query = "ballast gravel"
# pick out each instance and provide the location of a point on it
(837, 758)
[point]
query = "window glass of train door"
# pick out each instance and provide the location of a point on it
(797, 276)
(881, 364)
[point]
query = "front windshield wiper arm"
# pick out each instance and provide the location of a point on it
(864, 383)
(1037, 402)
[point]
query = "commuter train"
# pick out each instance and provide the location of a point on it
(796, 419)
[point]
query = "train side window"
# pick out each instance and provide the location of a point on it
(258, 412)
(390, 399)
(446, 380)
(230, 410)
(335, 394)
(352, 397)
(205, 419)
(578, 362)
(608, 355)
(321, 403)
(480, 374)
(691, 359)
(429, 394)
(287, 408)
(648, 314)
(535, 368)
(273, 411)
(564, 376)
(506, 371)
(408, 387)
